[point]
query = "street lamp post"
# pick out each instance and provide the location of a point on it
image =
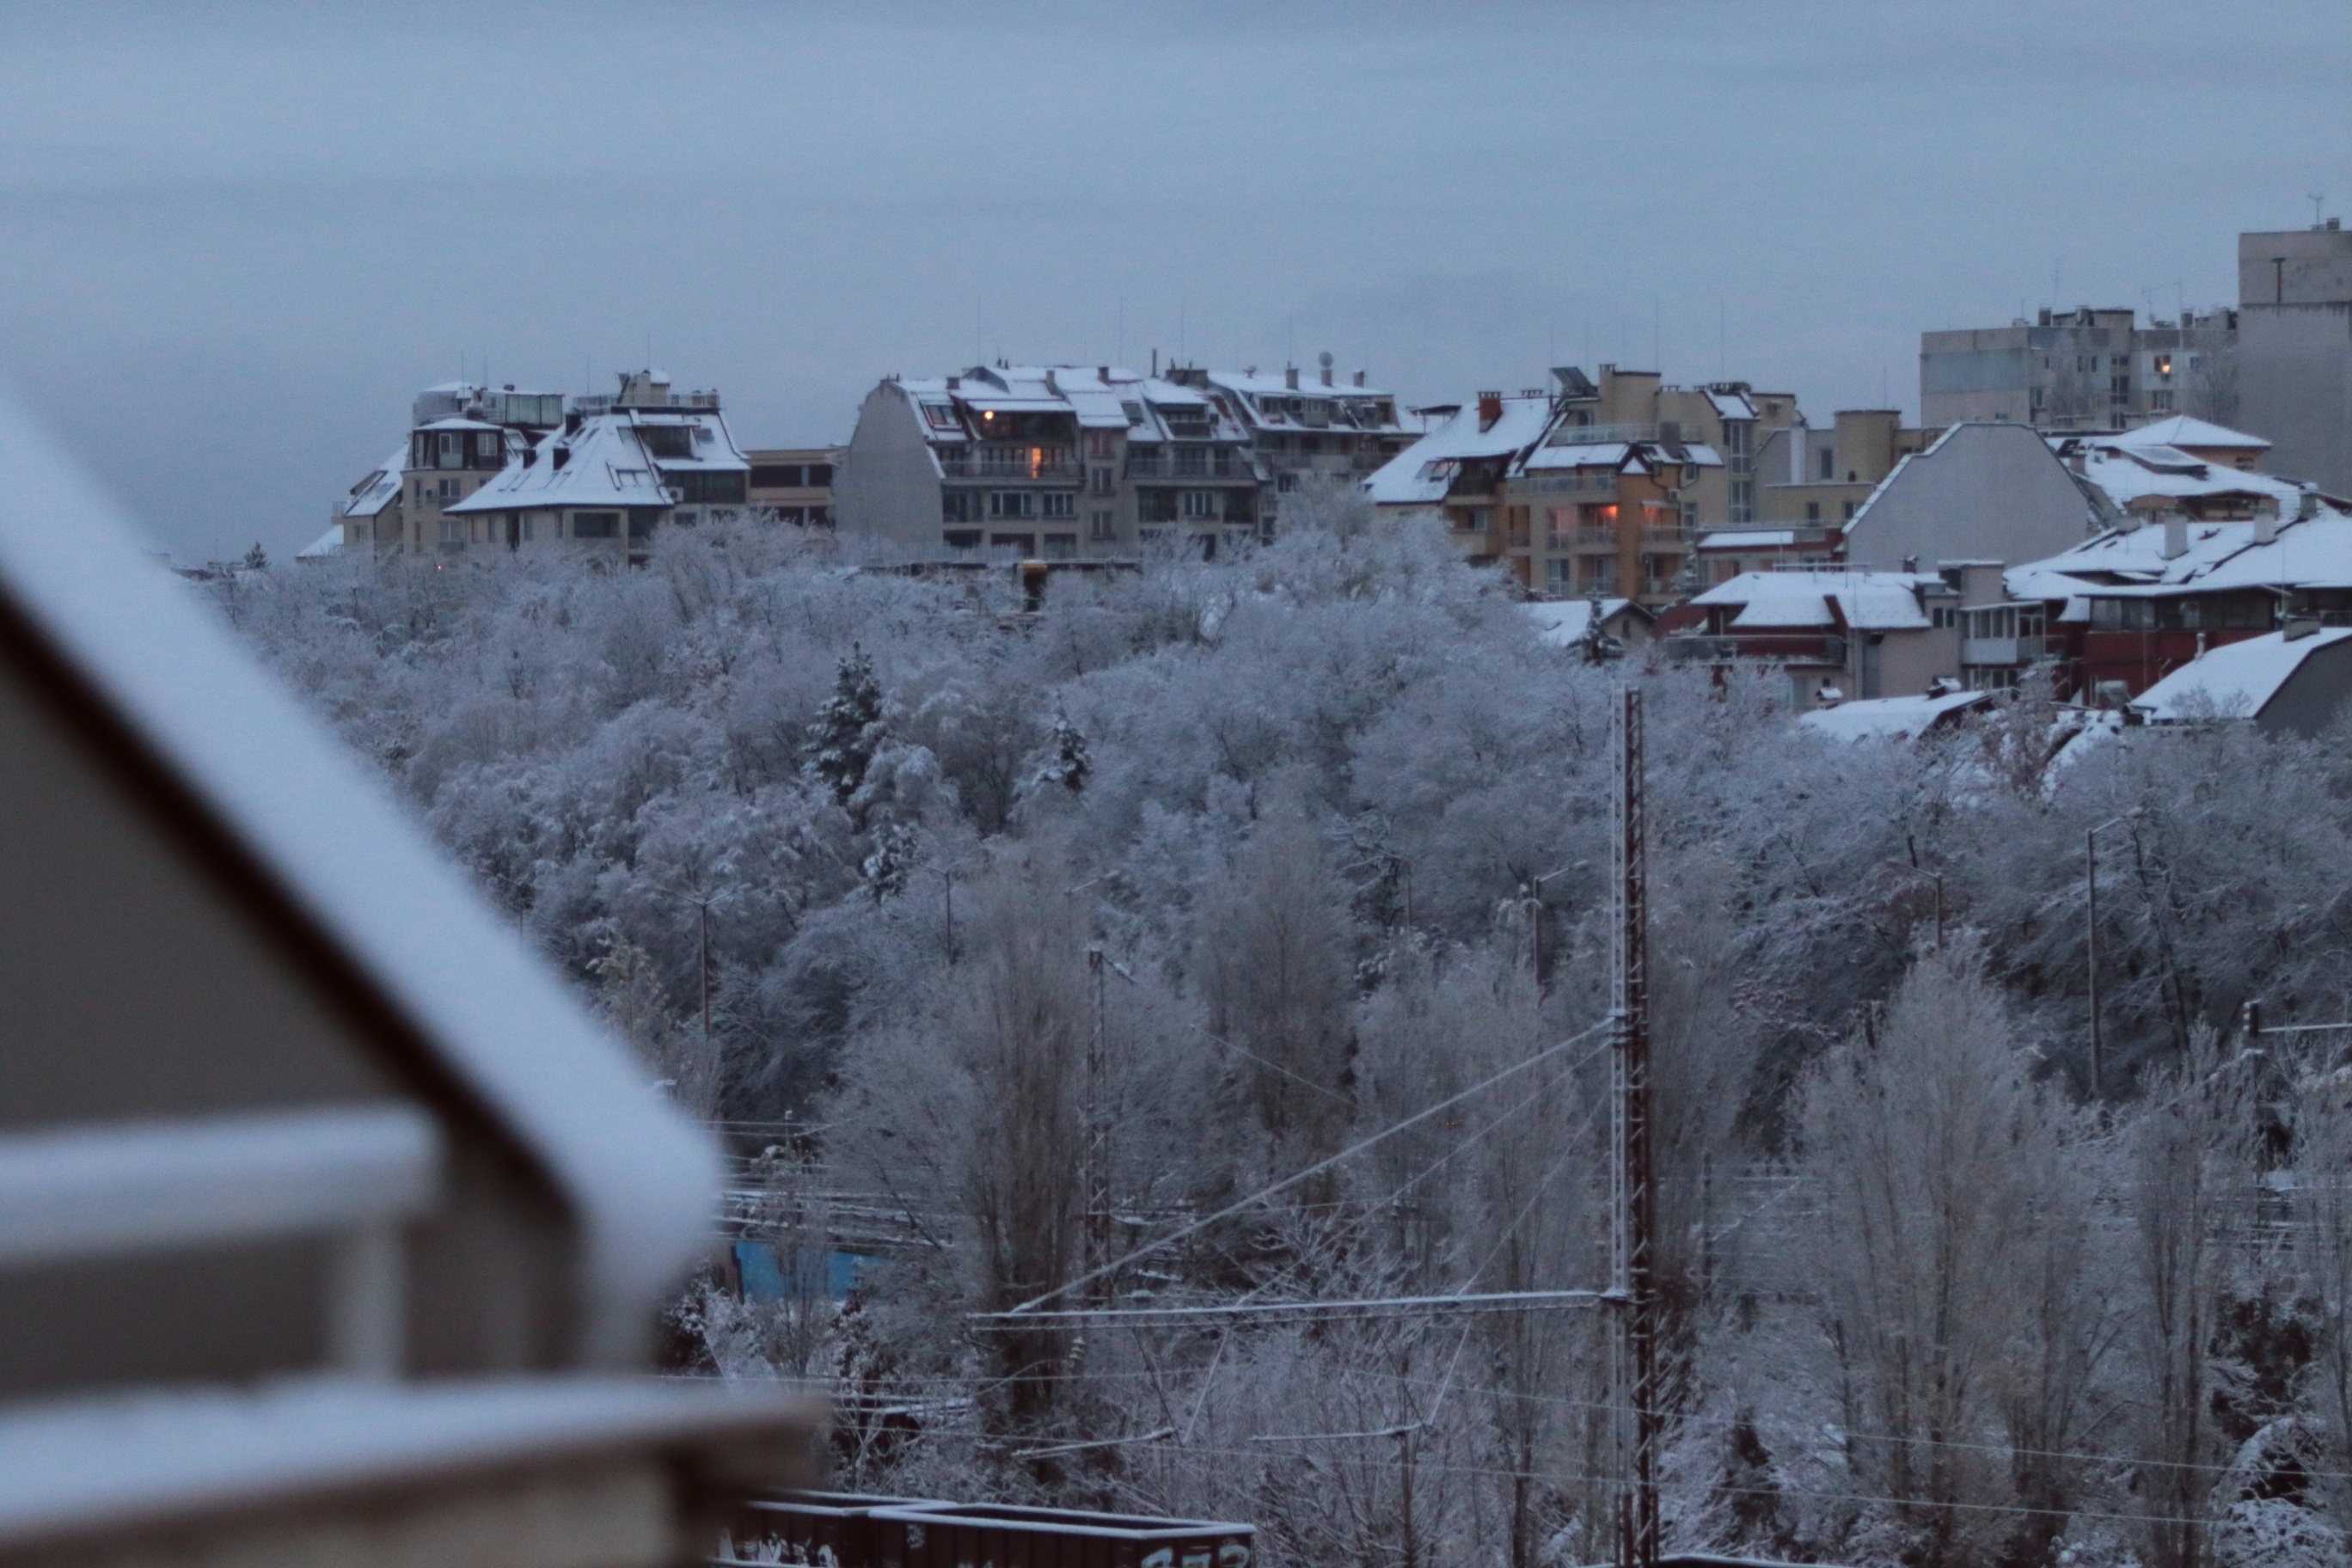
(1936, 878)
(2091, 931)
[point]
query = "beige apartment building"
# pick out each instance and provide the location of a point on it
(1810, 475)
(794, 483)
(497, 469)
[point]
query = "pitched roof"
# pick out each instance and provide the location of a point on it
(2185, 430)
(1868, 601)
(1890, 718)
(379, 489)
(605, 465)
(2234, 680)
(1412, 477)
(1562, 623)
(2307, 552)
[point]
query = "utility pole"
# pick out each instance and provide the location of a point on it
(1633, 1280)
(1097, 1154)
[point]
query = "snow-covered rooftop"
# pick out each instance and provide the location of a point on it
(1731, 405)
(1868, 601)
(1747, 538)
(2306, 552)
(604, 466)
(2152, 470)
(2235, 680)
(2186, 431)
(328, 543)
(1889, 718)
(379, 489)
(1417, 476)
(1563, 623)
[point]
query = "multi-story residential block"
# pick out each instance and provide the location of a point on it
(2084, 369)
(1574, 494)
(495, 468)
(1823, 476)
(1055, 462)
(616, 471)
(2295, 350)
(794, 483)
(1341, 431)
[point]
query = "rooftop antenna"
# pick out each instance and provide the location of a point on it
(2315, 202)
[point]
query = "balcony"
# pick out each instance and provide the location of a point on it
(1009, 463)
(2002, 650)
(1219, 464)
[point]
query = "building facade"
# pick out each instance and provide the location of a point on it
(1049, 462)
(1821, 476)
(2085, 369)
(1297, 429)
(2295, 352)
(794, 483)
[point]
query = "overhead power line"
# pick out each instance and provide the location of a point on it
(1367, 1307)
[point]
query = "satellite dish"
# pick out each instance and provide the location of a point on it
(1324, 359)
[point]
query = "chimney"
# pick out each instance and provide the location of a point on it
(954, 382)
(1490, 409)
(2306, 505)
(2079, 461)
(1290, 376)
(1360, 378)
(1325, 361)
(1102, 374)
(2266, 523)
(2176, 535)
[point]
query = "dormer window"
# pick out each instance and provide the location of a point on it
(939, 415)
(1134, 412)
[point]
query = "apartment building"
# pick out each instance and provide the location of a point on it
(794, 483)
(1833, 634)
(1341, 431)
(1729, 418)
(487, 468)
(2085, 369)
(1050, 462)
(614, 471)
(1812, 475)
(2295, 350)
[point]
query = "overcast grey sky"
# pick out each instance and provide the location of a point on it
(234, 239)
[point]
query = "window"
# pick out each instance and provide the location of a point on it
(959, 506)
(1061, 504)
(1556, 576)
(667, 440)
(453, 531)
(1061, 547)
(2163, 366)
(1099, 526)
(1012, 503)
(1285, 483)
(450, 450)
(1812, 511)
(2085, 363)
(2160, 398)
(1020, 544)
(1106, 481)
(1848, 511)
(595, 524)
(1102, 444)
(486, 444)
(820, 476)
(939, 415)
(1829, 464)
(776, 475)
(961, 538)
(1200, 503)
(1559, 527)
(1942, 618)
(449, 491)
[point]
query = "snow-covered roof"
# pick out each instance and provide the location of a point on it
(1562, 623)
(328, 543)
(379, 489)
(1868, 601)
(1411, 478)
(2305, 552)
(2236, 679)
(1731, 405)
(357, 867)
(1555, 454)
(605, 465)
(1889, 718)
(454, 423)
(2155, 469)
(2186, 431)
(1747, 538)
